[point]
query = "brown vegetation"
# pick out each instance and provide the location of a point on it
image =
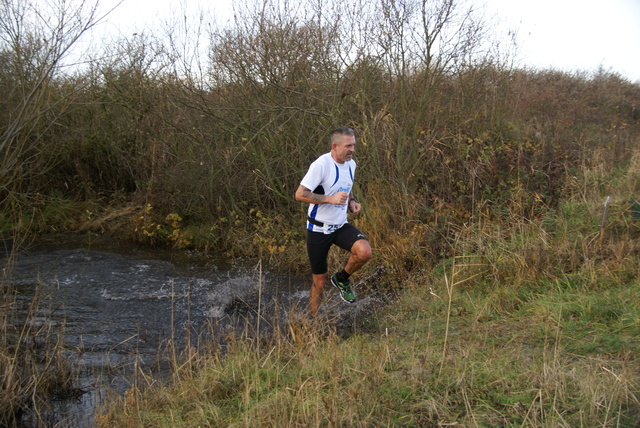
(164, 142)
(447, 133)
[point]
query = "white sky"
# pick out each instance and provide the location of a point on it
(577, 34)
(570, 35)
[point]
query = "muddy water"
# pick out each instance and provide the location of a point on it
(121, 306)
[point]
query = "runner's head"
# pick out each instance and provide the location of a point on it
(343, 144)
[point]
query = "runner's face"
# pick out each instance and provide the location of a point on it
(343, 148)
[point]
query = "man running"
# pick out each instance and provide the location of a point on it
(327, 188)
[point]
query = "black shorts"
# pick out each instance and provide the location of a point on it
(318, 245)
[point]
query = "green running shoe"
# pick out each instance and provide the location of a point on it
(345, 289)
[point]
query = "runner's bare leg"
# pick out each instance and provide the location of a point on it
(360, 254)
(315, 295)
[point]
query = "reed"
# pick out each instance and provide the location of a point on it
(32, 359)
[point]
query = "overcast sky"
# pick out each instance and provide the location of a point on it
(570, 35)
(577, 34)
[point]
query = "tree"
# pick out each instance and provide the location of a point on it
(35, 38)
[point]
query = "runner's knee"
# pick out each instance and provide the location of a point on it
(362, 250)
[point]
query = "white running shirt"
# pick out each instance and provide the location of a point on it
(327, 177)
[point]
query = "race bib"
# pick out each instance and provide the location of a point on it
(330, 228)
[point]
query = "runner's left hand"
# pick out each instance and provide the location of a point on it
(355, 207)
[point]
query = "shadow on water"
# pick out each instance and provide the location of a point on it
(120, 305)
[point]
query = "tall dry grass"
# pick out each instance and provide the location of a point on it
(492, 373)
(483, 187)
(33, 363)
(533, 322)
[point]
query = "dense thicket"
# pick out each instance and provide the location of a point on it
(447, 132)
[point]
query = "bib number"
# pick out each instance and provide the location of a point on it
(330, 228)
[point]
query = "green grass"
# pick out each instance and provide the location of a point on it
(603, 321)
(563, 359)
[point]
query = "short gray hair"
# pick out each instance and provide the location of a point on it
(343, 130)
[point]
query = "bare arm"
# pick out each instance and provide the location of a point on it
(305, 195)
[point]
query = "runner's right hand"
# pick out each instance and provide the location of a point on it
(339, 198)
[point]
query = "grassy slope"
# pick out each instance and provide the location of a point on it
(535, 323)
